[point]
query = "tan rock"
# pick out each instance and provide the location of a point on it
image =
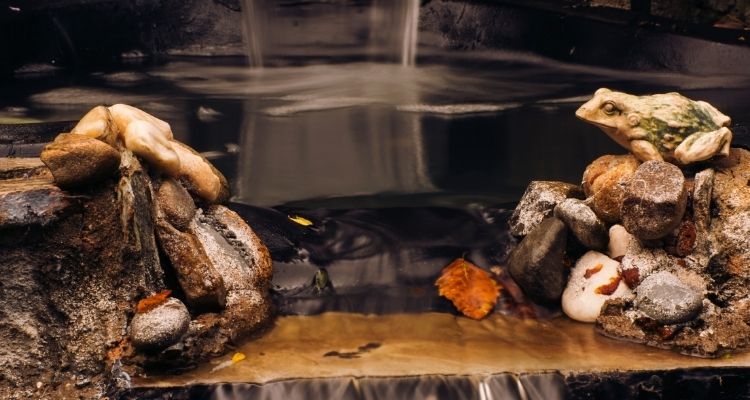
(176, 203)
(123, 115)
(604, 181)
(199, 176)
(78, 160)
(98, 124)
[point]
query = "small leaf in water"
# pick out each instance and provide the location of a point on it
(153, 301)
(470, 288)
(300, 220)
(237, 357)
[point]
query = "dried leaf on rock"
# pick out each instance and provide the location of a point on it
(237, 357)
(300, 220)
(470, 288)
(153, 301)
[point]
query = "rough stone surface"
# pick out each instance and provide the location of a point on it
(583, 223)
(537, 263)
(668, 300)
(176, 203)
(31, 201)
(640, 261)
(594, 280)
(654, 201)
(78, 277)
(78, 160)
(604, 183)
(538, 202)
(161, 326)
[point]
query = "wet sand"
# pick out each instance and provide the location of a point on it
(342, 344)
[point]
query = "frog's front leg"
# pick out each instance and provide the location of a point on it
(701, 146)
(645, 151)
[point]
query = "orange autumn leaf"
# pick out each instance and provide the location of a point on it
(470, 288)
(151, 302)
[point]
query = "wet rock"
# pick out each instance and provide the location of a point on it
(78, 160)
(668, 300)
(536, 264)
(654, 200)
(161, 326)
(176, 203)
(97, 124)
(199, 176)
(594, 280)
(604, 183)
(538, 202)
(640, 261)
(619, 240)
(583, 223)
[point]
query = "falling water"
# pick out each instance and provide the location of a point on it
(383, 30)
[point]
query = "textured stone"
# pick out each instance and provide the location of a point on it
(161, 326)
(640, 261)
(604, 183)
(654, 201)
(97, 124)
(31, 201)
(199, 176)
(536, 264)
(665, 298)
(583, 223)
(538, 202)
(619, 240)
(176, 203)
(78, 160)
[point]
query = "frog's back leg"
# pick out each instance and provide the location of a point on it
(701, 146)
(645, 151)
(716, 115)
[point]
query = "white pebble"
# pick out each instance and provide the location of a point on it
(619, 239)
(582, 300)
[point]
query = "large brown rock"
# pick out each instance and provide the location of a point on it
(654, 200)
(176, 203)
(78, 160)
(604, 182)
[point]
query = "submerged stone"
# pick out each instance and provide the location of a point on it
(160, 327)
(667, 299)
(654, 200)
(583, 223)
(538, 202)
(537, 263)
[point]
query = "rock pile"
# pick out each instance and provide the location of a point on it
(660, 253)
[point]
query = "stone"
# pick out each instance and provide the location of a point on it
(583, 223)
(665, 298)
(145, 140)
(593, 280)
(176, 203)
(536, 264)
(123, 115)
(619, 240)
(78, 160)
(31, 201)
(654, 201)
(731, 193)
(640, 261)
(98, 124)
(702, 192)
(199, 176)
(160, 327)
(538, 202)
(604, 183)
(731, 237)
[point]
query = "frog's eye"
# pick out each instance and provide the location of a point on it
(609, 108)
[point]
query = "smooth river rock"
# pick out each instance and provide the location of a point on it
(654, 200)
(594, 280)
(161, 326)
(537, 263)
(667, 299)
(78, 160)
(583, 223)
(538, 202)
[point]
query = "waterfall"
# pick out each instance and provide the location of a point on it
(286, 28)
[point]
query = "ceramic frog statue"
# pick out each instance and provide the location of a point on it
(667, 126)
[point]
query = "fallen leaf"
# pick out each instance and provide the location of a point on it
(300, 220)
(237, 357)
(470, 288)
(153, 301)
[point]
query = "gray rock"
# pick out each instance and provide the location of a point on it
(161, 326)
(640, 261)
(537, 263)
(665, 298)
(538, 202)
(583, 223)
(654, 200)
